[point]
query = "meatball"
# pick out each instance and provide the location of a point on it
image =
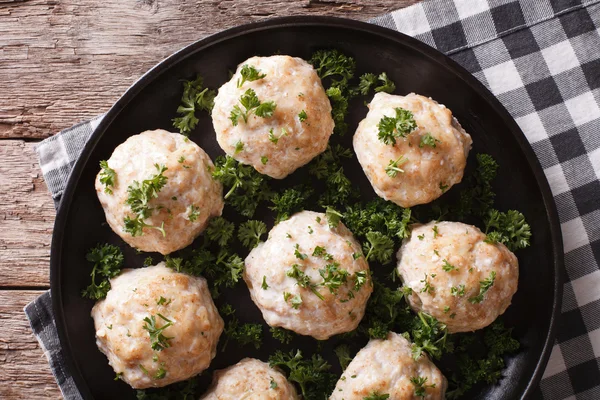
(296, 132)
(189, 198)
(420, 167)
(456, 276)
(387, 367)
(139, 305)
(309, 278)
(250, 379)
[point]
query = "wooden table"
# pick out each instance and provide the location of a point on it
(64, 61)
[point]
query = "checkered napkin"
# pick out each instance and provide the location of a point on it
(541, 58)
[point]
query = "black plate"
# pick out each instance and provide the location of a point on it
(150, 103)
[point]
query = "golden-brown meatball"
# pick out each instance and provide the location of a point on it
(189, 198)
(387, 367)
(156, 300)
(420, 167)
(456, 276)
(250, 379)
(292, 277)
(299, 127)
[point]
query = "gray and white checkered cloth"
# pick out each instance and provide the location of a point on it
(541, 58)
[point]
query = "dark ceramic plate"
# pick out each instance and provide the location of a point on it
(151, 103)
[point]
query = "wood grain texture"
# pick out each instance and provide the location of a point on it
(63, 61)
(24, 370)
(26, 217)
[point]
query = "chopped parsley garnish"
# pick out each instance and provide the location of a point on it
(264, 160)
(264, 284)
(252, 105)
(301, 256)
(239, 147)
(343, 354)
(428, 140)
(320, 251)
(333, 217)
(369, 81)
(193, 212)
(310, 374)
(448, 267)
(195, 97)
(376, 395)
(108, 260)
(296, 300)
(393, 167)
(158, 340)
(333, 276)
(509, 228)
(273, 384)
(219, 231)
(250, 233)
(249, 74)
(420, 385)
(148, 261)
(435, 231)
(247, 187)
(275, 138)
(302, 116)
(281, 334)
(163, 302)
(378, 246)
(399, 126)
(427, 286)
(290, 201)
(243, 334)
(484, 286)
(107, 177)
(138, 197)
(457, 291)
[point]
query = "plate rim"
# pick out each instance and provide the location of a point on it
(298, 21)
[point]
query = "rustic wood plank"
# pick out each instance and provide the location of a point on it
(24, 371)
(63, 61)
(26, 217)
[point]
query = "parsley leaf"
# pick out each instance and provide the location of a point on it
(108, 260)
(243, 334)
(478, 198)
(311, 375)
(290, 201)
(157, 339)
(509, 228)
(247, 187)
(302, 116)
(252, 105)
(379, 246)
(249, 74)
(281, 334)
(107, 177)
(393, 167)
(369, 81)
(194, 98)
(327, 166)
(420, 386)
(138, 197)
(343, 354)
(484, 286)
(428, 140)
(193, 212)
(377, 396)
(333, 217)
(220, 231)
(250, 233)
(429, 335)
(401, 125)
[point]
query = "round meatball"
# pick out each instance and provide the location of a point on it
(182, 207)
(309, 278)
(143, 303)
(420, 167)
(250, 379)
(387, 367)
(299, 127)
(456, 276)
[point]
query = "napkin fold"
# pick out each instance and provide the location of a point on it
(541, 59)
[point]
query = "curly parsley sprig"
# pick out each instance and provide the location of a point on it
(399, 126)
(138, 198)
(195, 98)
(107, 177)
(252, 105)
(108, 260)
(249, 74)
